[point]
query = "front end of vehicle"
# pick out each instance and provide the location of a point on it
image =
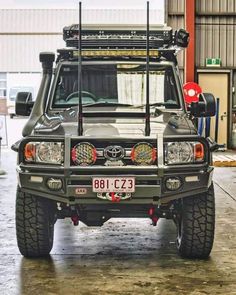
(130, 175)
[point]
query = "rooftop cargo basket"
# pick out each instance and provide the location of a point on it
(161, 37)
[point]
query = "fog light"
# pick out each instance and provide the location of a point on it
(54, 184)
(173, 183)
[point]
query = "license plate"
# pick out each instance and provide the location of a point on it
(114, 184)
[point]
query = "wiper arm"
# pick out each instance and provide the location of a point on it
(158, 104)
(98, 104)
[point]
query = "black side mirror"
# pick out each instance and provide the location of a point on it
(24, 103)
(206, 107)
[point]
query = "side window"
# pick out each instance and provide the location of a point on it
(170, 90)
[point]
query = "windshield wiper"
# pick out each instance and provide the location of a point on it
(104, 103)
(158, 104)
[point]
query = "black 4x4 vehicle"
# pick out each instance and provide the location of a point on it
(110, 136)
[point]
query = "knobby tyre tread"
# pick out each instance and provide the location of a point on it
(197, 225)
(34, 224)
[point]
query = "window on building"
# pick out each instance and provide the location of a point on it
(3, 85)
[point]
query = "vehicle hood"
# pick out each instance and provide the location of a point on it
(66, 123)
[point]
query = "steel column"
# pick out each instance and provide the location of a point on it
(190, 52)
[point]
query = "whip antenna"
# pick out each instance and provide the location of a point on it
(80, 107)
(147, 122)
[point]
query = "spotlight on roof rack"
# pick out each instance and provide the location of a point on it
(181, 38)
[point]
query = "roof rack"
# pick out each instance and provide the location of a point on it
(92, 39)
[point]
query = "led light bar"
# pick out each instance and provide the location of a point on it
(93, 53)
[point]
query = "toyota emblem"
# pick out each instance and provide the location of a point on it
(114, 153)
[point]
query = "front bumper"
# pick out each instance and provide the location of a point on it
(150, 183)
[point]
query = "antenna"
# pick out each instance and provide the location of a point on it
(147, 122)
(80, 107)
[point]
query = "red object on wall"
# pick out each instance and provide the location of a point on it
(190, 52)
(191, 92)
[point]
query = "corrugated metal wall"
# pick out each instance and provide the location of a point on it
(26, 32)
(216, 31)
(175, 20)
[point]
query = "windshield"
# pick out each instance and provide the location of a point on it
(116, 84)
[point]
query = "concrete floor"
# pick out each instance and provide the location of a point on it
(122, 257)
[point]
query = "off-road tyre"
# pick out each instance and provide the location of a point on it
(35, 218)
(196, 225)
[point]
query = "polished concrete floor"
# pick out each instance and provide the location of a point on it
(123, 257)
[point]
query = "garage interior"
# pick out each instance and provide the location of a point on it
(125, 256)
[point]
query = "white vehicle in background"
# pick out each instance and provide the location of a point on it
(21, 82)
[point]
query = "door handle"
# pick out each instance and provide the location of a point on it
(222, 116)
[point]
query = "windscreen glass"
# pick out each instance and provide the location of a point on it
(116, 84)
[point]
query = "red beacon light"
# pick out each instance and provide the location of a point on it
(191, 92)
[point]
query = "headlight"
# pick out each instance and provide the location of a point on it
(44, 152)
(143, 153)
(184, 153)
(84, 154)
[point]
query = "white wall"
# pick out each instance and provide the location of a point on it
(26, 32)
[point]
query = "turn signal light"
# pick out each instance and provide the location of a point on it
(199, 152)
(30, 152)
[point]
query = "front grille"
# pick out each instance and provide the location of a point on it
(103, 158)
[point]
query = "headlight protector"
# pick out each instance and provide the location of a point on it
(184, 152)
(44, 152)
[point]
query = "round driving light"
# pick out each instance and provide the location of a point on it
(54, 184)
(173, 183)
(84, 154)
(143, 154)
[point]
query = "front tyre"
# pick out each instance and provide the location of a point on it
(35, 218)
(196, 225)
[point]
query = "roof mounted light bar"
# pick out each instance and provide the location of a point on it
(118, 39)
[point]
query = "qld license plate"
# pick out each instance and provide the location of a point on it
(113, 184)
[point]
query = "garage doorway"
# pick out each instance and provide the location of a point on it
(217, 83)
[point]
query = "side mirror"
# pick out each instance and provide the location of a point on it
(24, 103)
(206, 107)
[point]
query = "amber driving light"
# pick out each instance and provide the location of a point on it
(143, 154)
(84, 154)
